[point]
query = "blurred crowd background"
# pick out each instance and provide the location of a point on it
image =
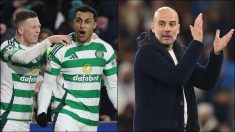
(56, 18)
(215, 108)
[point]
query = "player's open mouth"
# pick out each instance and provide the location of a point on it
(82, 33)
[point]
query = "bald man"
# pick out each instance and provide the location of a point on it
(166, 73)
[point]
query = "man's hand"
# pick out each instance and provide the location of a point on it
(42, 119)
(197, 30)
(221, 43)
(62, 39)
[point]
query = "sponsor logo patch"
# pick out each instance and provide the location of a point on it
(87, 78)
(28, 79)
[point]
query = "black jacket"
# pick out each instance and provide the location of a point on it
(159, 103)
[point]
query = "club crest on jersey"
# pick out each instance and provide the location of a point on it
(99, 54)
(87, 68)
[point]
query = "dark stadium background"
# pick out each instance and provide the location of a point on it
(216, 108)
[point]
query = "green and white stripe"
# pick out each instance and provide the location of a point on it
(18, 78)
(79, 70)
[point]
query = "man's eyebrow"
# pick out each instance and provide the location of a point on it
(172, 21)
(88, 19)
(161, 21)
(79, 18)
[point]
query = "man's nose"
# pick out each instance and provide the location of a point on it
(82, 25)
(167, 28)
(38, 30)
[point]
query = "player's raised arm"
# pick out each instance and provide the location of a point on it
(18, 55)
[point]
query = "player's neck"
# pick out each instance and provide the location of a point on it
(83, 43)
(21, 40)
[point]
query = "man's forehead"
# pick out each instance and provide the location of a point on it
(84, 15)
(166, 14)
(166, 19)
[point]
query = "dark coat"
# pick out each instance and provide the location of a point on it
(159, 103)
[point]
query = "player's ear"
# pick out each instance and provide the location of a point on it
(152, 27)
(178, 29)
(95, 24)
(20, 30)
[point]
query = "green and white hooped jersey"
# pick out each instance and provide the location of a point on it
(17, 82)
(79, 70)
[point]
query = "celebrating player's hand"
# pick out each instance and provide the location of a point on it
(42, 119)
(62, 39)
(221, 43)
(197, 30)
